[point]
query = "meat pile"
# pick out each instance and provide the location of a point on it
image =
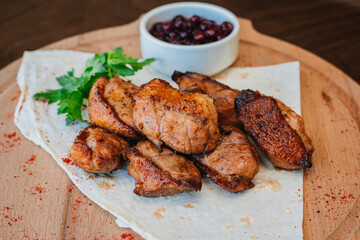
(169, 137)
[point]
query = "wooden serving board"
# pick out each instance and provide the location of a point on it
(38, 200)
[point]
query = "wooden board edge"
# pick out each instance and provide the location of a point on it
(8, 73)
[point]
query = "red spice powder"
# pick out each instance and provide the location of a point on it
(10, 135)
(67, 160)
(8, 218)
(39, 189)
(127, 236)
(31, 160)
(78, 203)
(69, 188)
(25, 168)
(16, 96)
(9, 144)
(334, 201)
(10, 115)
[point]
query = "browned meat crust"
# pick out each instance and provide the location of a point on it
(264, 121)
(223, 95)
(160, 174)
(296, 122)
(194, 89)
(233, 163)
(110, 106)
(187, 122)
(97, 150)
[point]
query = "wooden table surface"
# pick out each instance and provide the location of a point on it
(329, 29)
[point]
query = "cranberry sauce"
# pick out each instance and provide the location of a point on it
(190, 31)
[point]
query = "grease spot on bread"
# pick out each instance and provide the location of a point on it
(188, 205)
(158, 213)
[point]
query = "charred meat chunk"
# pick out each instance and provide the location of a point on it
(98, 151)
(276, 129)
(161, 173)
(186, 122)
(233, 163)
(111, 106)
(223, 95)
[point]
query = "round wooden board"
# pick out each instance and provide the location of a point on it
(39, 201)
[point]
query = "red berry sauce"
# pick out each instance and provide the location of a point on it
(190, 31)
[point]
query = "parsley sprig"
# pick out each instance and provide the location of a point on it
(75, 89)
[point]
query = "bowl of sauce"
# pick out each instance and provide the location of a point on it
(190, 36)
(193, 30)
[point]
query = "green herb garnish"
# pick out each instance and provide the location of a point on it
(75, 89)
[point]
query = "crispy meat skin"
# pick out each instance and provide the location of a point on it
(110, 106)
(160, 173)
(97, 150)
(233, 163)
(187, 122)
(277, 135)
(223, 95)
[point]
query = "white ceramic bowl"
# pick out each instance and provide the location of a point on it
(208, 59)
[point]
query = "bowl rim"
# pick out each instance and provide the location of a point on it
(144, 20)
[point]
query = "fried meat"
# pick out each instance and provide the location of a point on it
(98, 151)
(186, 122)
(160, 173)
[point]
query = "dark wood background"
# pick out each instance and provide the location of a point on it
(330, 29)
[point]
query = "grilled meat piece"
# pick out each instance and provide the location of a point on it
(233, 163)
(111, 106)
(296, 122)
(194, 89)
(277, 130)
(223, 95)
(98, 151)
(187, 122)
(160, 173)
